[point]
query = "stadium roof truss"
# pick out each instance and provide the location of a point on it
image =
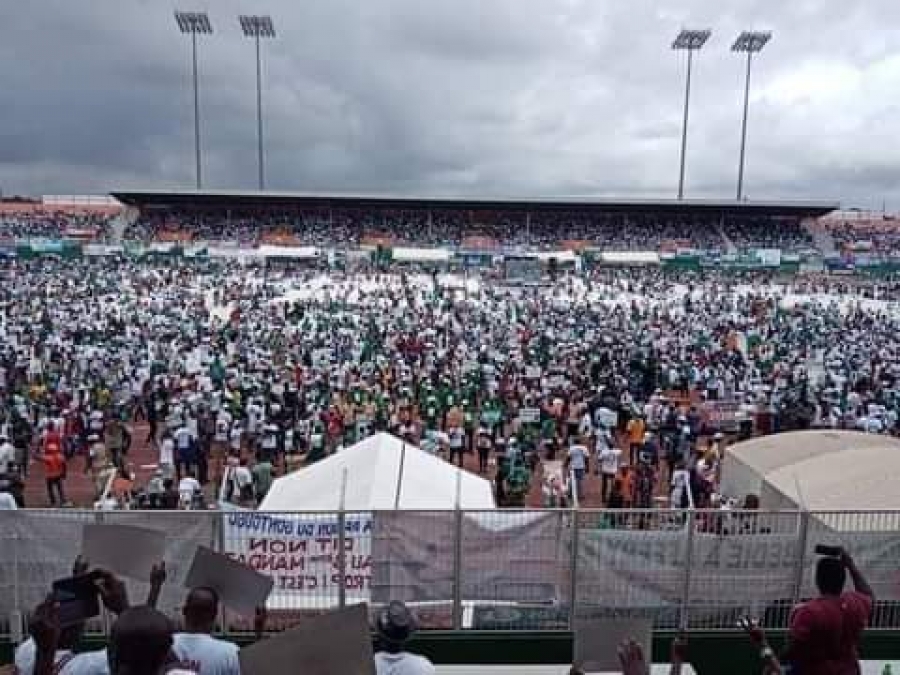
(213, 199)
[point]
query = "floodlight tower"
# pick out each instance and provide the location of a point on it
(195, 23)
(690, 40)
(750, 42)
(257, 27)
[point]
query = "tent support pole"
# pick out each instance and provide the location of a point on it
(457, 555)
(342, 548)
(803, 537)
(400, 476)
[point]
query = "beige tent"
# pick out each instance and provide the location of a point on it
(817, 470)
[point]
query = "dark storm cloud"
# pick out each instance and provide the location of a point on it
(507, 97)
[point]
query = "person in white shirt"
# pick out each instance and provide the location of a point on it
(167, 455)
(243, 481)
(680, 484)
(235, 436)
(66, 661)
(95, 423)
(577, 460)
(395, 624)
(7, 501)
(61, 651)
(187, 488)
(184, 450)
(7, 454)
(195, 649)
(610, 459)
(270, 440)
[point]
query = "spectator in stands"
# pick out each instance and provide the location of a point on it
(29, 222)
(824, 632)
(395, 625)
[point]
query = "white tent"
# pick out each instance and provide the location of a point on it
(816, 470)
(436, 255)
(293, 252)
(383, 473)
(559, 256)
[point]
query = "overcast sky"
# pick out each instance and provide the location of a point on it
(462, 97)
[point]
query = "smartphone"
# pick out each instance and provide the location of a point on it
(78, 598)
(828, 551)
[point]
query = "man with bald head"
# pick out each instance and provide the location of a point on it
(140, 643)
(196, 649)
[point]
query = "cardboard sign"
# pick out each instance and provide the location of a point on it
(530, 415)
(606, 417)
(597, 641)
(241, 589)
(123, 549)
(335, 642)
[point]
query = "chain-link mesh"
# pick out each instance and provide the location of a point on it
(742, 563)
(515, 569)
(500, 569)
(185, 531)
(630, 563)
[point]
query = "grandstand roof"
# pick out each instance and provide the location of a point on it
(225, 199)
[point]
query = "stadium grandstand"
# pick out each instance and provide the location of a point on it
(609, 224)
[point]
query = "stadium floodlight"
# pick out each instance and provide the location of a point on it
(749, 42)
(257, 27)
(194, 24)
(690, 41)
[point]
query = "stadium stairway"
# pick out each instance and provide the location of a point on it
(121, 222)
(822, 239)
(729, 245)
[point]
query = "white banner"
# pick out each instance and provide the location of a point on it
(300, 552)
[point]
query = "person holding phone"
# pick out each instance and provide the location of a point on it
(140, 643)
(65, 661)
(824, 632)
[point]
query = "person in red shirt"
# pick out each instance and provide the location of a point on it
(55, 473)
(824, 632)
(52, 436)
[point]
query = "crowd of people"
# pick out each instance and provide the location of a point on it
(51, 223)
(240, 373)
(536, 230)
(787, 234)
(879, 237)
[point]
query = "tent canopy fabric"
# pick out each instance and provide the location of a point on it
(293, 252)
(630, 257)
(383, 473)
(816, 470)
(401, 254)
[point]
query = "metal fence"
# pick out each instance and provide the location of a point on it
(487, 570)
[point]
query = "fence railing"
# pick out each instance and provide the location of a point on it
(484, 570)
